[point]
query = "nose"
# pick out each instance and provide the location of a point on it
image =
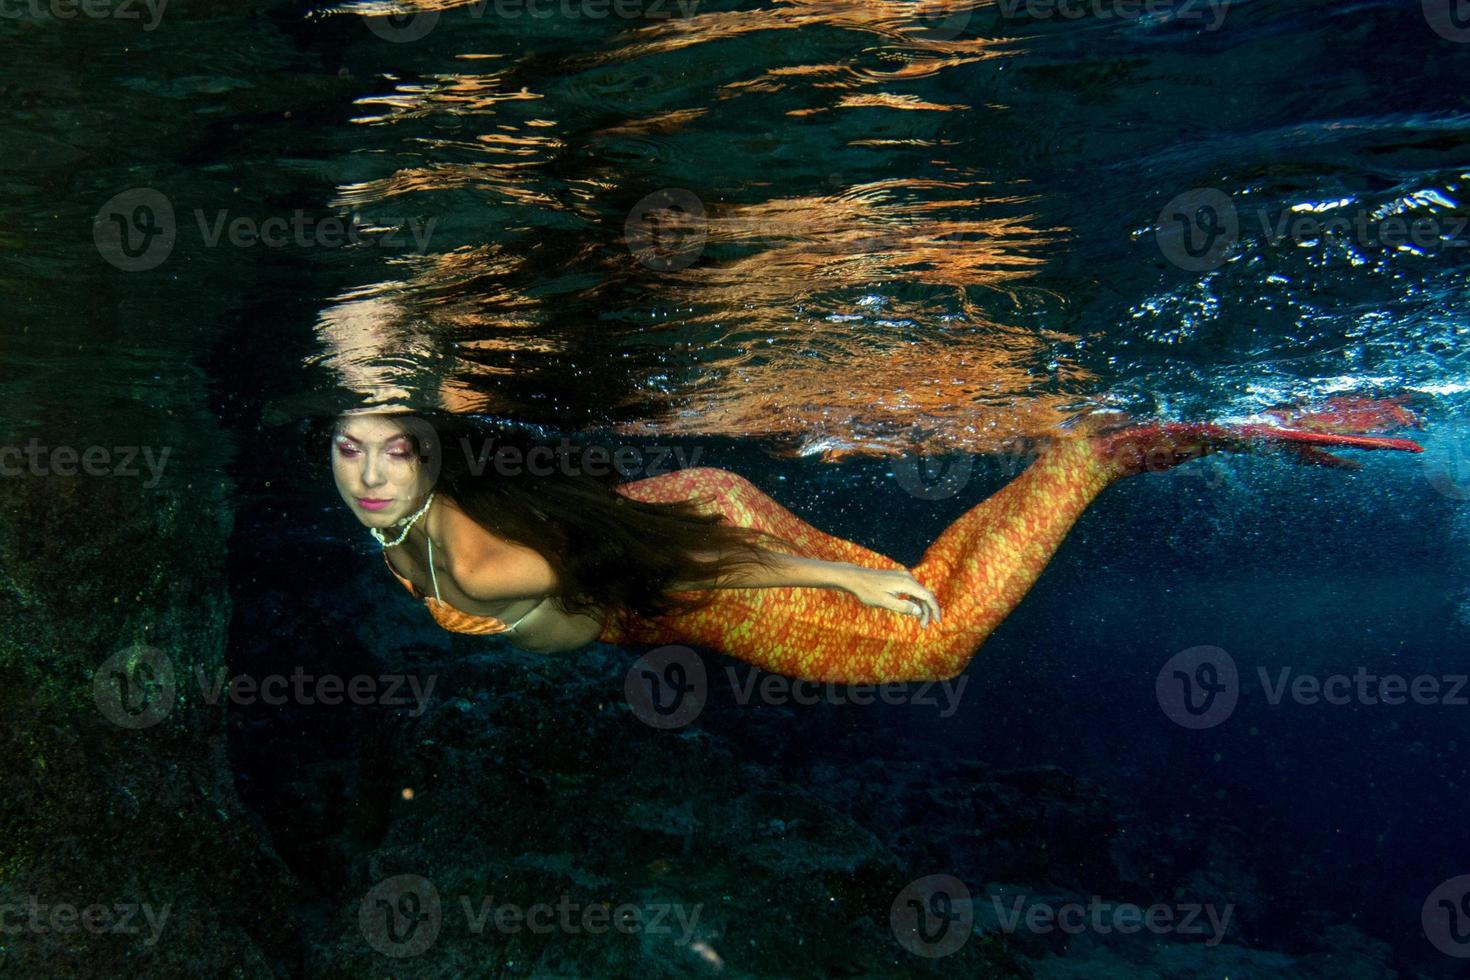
(373, 471)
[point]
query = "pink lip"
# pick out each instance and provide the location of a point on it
(369, 503)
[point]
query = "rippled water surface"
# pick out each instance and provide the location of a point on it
(834, 225)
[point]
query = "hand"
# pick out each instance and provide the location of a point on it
(893, 589)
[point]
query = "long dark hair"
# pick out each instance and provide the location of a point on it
(607, 550)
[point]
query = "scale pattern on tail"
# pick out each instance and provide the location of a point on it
(979, 568)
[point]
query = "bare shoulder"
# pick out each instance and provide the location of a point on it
(484, 565)
(463, 538)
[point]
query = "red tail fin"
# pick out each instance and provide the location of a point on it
(1162, 445)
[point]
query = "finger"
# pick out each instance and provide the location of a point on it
(905, 607)
(918, 591)
(934, 603)
(927, 600)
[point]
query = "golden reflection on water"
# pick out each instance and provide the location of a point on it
(853, 320)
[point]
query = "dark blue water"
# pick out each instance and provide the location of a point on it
(891, 233)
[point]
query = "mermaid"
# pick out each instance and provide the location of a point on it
(556, 556)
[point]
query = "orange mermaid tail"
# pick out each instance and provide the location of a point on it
(979, 568)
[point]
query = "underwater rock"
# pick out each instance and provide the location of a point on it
(123, 847)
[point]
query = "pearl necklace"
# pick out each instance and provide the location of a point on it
(407, 523)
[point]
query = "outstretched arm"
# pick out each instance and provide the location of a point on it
(881, 587)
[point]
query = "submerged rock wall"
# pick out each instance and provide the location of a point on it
(123, 846)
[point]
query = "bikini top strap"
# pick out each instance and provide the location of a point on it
(528, 612)
(432, 577)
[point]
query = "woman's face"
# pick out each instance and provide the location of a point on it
(377, 469)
